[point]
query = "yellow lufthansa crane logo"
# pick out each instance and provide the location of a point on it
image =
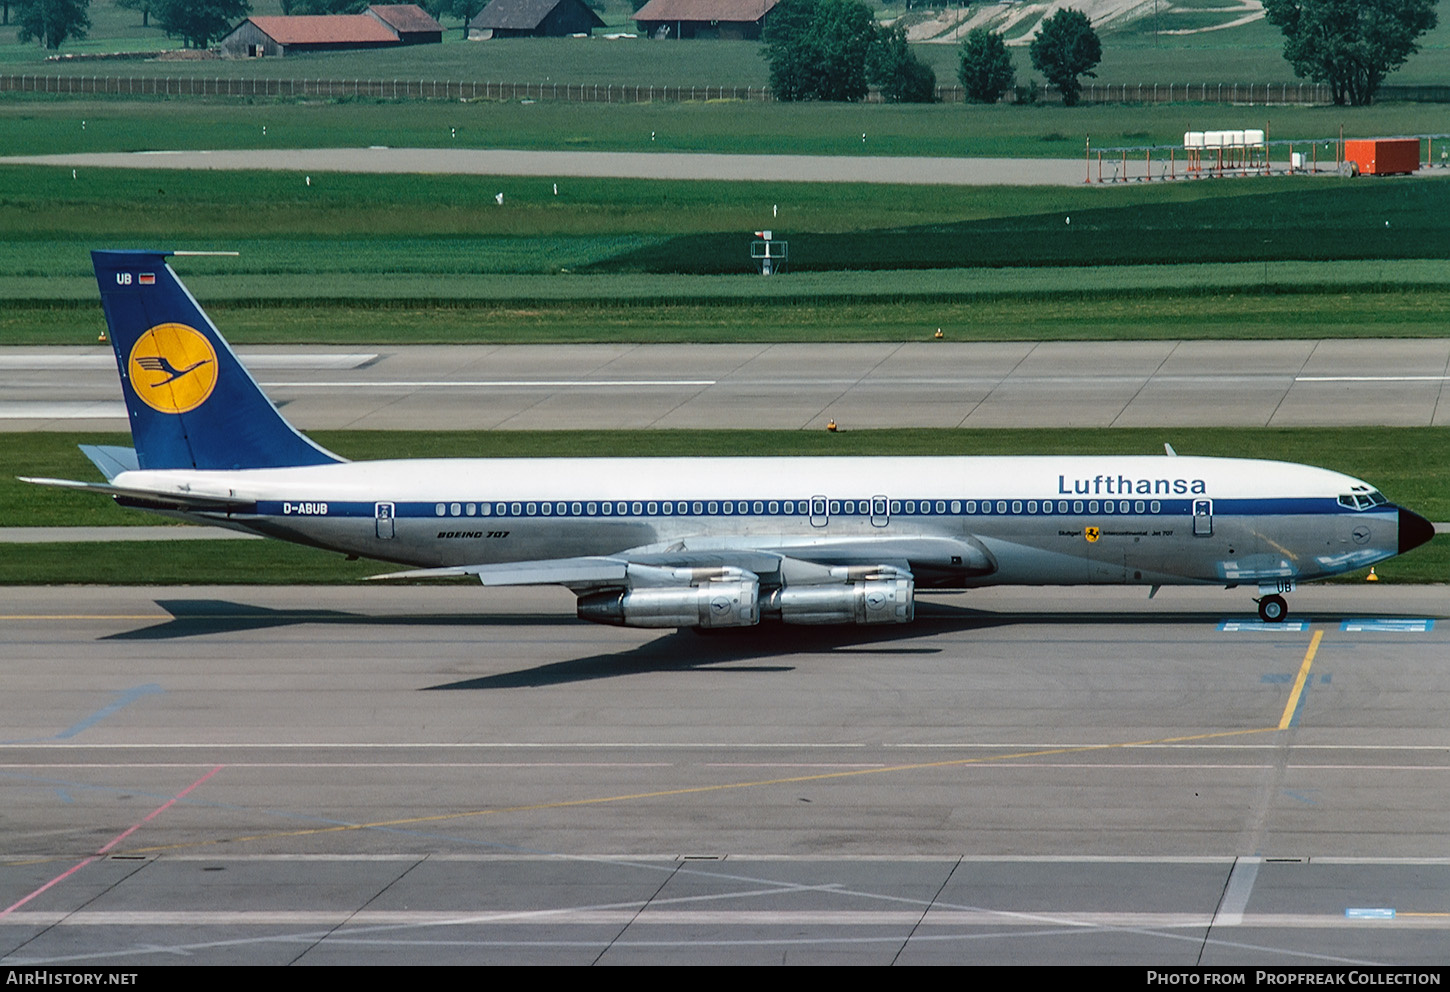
(1092, 534)
(172, 368)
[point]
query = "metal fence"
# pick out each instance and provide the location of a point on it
(386, 89)
(432, 89)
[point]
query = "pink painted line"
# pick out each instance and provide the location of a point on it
(54, 881)
(160, 809)
(127, 833)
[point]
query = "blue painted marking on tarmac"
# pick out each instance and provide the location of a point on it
(1287, 678)
(1239, 626)
(1408, 625)
(125, 699)
(1385, 913)
(1301, 797)
(1299, 706)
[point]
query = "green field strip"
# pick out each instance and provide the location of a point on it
(43, 125)
(941, 284)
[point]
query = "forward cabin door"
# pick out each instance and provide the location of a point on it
(1203, 518)
(383, 514)
(819, 512)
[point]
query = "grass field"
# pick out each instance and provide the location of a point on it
(44, 210)
(1228, 302)
(353, 259)
(40, 124)
(1411, 465)
(344, 224)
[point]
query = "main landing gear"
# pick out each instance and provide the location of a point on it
(1273, 609)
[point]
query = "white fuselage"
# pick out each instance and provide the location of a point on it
(1029, 519)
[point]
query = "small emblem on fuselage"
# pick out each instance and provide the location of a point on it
(172, 368)
(1092, 534)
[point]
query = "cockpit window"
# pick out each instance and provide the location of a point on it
(1362, 500)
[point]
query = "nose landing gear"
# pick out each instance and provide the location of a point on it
(1273, 609)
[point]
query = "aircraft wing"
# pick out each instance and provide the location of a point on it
(581, 573)
(783, 559)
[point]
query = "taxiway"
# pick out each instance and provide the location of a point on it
(449, 774)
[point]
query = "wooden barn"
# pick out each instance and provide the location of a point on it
(731, 19)
(412, 24)
(534, 19)
(382, 26)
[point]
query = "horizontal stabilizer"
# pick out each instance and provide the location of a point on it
(153, 499)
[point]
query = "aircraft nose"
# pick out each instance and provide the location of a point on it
(1415, 530)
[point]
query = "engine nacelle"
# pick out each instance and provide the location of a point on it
(723, 602)
(886, 597)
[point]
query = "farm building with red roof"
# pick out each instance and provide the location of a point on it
(733, 19)
(383, 26)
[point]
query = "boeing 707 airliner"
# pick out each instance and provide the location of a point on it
(710, 542)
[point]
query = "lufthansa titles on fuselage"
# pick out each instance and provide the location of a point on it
(1122, 485)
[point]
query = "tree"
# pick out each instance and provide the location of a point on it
(464, 10)
(1066, 47)
(1350, 44)
(302, 8)
(902, 76)
(818, 48)
(51, 22)
(986, 70)
(199, 22)
(143, 6)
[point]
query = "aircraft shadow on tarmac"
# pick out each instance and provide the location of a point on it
(197, 617)
(677, 651)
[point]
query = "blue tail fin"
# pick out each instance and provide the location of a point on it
(191, 403)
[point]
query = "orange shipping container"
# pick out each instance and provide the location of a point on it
(1383, 156)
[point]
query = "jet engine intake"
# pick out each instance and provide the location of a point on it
(885, 595)
(730, 599)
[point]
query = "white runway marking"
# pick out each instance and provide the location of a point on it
(493, 384)
(1236, 896)
(61, 361)
(1372, 378)
(74, 410)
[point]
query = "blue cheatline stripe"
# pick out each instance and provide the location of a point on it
(857, 508)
